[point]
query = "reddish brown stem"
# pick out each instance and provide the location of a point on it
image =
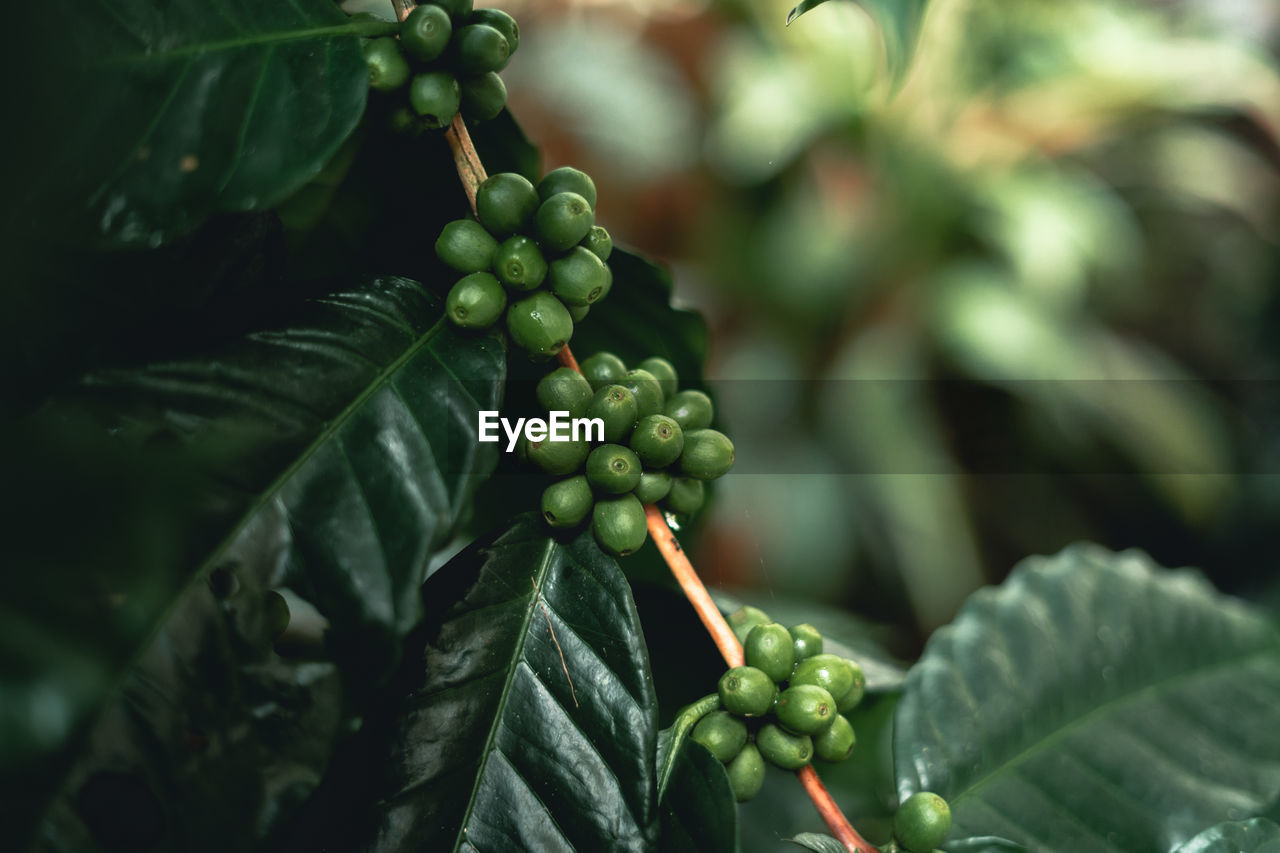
(565, 357)
(831, 814)
(470, 170)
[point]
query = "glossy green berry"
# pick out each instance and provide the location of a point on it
(613, 469)
(567, 179)
(476, 301)
(686, 496)
(558, 457)
(665, 372)
(616, 407)
(722, 733)
(458, 10)
(479, 49)
(598, 242)
(436, 97)
(708, 454)
(744, 619)
(922, 822)
(578, 312)
(746, 691)
(425, 32)
(539, 323)
(387, 66)
(465, 245)
(619, 524)
(578, 278)
(653, 487)
(500, 21)
(805, 709)
(785, 750)
(505, 203)
(567, 502)
(483, 96)
(564, 390)
(518, 263)
(768, 648)
(563, 220)
(830, 672)
(691, 409)
(746, 773)
(854, 694)
(806, 640)
(836, 741)
(657, 440)
(603, 368)
(648, 391)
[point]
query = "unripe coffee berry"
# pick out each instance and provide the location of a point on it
(768, 648)
(708, 454)
(619, 524)
(479, 48)
(388, 69)
(518, 263)
(563, 220)
(721, 733)
(744, 619)
(564, 390)
(615, 406)
(805, 709)
(483, 96)
(613, 469)
(830, 672)
(476, 301)
(746, 691)
(500, 21)
(579, 278)
(665, 372)
(657, 440)
(686, 496)
(836, 741)
(746, 773)
(567, 503)
(436, 97)
(457, 10)
(425, 32)
(505, 203)
(603, 368)
(539, 323)
(465, 245)
(567, 179)
(558, 457)
(653, 486)
(598, 242)
(578, 312)
(788, 751)
(854, 694)
(922, 822)
(648, 391)
(806, 640)
(691, 409)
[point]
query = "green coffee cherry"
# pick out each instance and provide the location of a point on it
(806, 640)
(558, 457)
(616, 407)
(598, 242)
(578, 312)
(539, 323)
(665, 372)
(691, 409)
(854, 694)
(465, 245)
(686, 496)
(746, 773)
(563, 220)
(476, 301)
(567, 179)
(603, 368)
(500, 21)
(479, 49)
(647, 389)
(722, 733)
(483, 96)
(922, 822)
(436, 97)
(564, 390)
(619, 524)
(788, 751)
(805, 709)
(613, 469)
(657, 440)
(505, 203)
(836, 741)
(458, 10)
(746, 691)
(708, 454)
(425, 32)
(566, 503)
(768, 648)
(387, 66)
(830, 672)
(578, 278)
(744, 619)
(518, 263)
(653, 486)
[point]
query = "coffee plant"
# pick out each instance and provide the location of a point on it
(271, 583)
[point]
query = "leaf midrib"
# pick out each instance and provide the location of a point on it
(364, 29)
(1068, 728)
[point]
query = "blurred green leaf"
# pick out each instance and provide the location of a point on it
(899, 22)
(1250, 836)
(1094, 702)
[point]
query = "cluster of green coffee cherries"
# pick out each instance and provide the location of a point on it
(449, 54)
(535, 256)
(657, 448)
(786, 705)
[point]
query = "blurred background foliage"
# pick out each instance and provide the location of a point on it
(1025, 298)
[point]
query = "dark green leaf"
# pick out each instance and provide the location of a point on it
(671, 740)
(531, 722)
(1095, 703)
(818, 842)
(332, 456)
(1250, 836)
(899, 22)
(200, 107)
(699, 811)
